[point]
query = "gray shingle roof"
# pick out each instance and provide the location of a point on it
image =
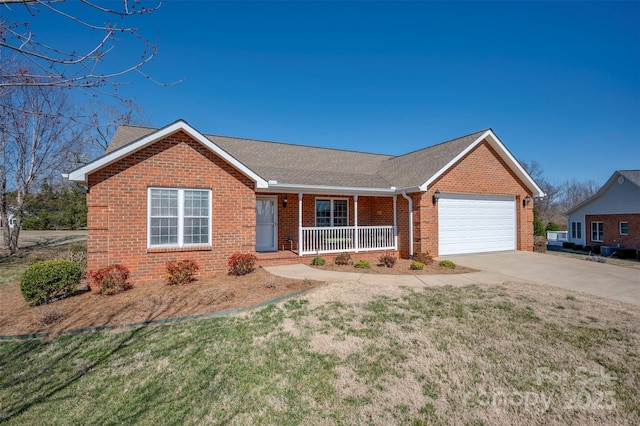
(416, 167)
(307, 165)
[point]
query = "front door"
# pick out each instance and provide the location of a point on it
(266, 223)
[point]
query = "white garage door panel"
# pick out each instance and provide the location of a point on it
(476, 223)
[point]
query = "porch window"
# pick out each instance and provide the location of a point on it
(179, 217)
(332, 212)
(576, 230)
(597, 231)
(624, 228)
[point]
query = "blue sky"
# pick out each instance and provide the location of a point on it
(559, 82)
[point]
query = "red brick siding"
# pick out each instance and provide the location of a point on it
(481, 171)
(117, 203)
(611, 228)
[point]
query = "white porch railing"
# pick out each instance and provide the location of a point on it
(556, 238)
(339, 239)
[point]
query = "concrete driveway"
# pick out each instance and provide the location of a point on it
(613, 282)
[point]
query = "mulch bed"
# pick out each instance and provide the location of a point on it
(156, 301)
(145, 302)
(400, 268)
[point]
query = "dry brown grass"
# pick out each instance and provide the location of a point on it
(513, 354)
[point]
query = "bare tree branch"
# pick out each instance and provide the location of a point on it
(54, 66)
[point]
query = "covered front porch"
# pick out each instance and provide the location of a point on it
(311, 224)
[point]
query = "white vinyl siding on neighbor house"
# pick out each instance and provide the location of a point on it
(179, 217)
(472, 223)
(597, 231)
(576, 230)
(624, 228)
(332, 212)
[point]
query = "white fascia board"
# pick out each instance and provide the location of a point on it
(321, 189)
(503, 152)
(80, 175)
(408, 189)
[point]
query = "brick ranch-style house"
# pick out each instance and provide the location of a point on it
(174, 193)
(612, 216)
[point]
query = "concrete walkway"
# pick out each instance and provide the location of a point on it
(608, 281)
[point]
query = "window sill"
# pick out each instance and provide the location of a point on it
(178, 249)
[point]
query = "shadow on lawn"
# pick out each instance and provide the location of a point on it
(73, 350)
(36, 378)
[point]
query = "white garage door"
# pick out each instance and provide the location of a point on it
(472, 223)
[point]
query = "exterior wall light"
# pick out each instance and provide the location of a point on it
(285, 201)
(526, 201)
(436, 197)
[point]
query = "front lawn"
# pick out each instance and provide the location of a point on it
(513, 354)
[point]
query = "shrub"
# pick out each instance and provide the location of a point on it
(447, 264)
(270, 282)
(362, 264)
(539, 244)
(241, 263)
(538, 226)
(46, 281)
(181, 272)
(596, 249)
(627, 253)
(552, 226)
(50, 315)
(424, 258)
(76, 253)
(579, 247)
(416, 266)
(567, 244)
(343, 259)
(388, 260)
(110, 280)
(318, 261)
(588, 248)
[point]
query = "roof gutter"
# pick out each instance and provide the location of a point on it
(321, 189)
(404, 194)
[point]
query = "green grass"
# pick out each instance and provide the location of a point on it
(12, 267)
(442, 355)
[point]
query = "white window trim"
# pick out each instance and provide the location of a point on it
(601, 231)
(577, 235)
(620, 228)
(180, 218)
(332, 199)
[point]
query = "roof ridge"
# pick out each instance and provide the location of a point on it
(208, 135)
(298, 145)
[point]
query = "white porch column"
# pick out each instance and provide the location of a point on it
(355, 222)
(395, 222)
(300, 224)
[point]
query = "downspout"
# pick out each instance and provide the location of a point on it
(300, 234)
(404, 194)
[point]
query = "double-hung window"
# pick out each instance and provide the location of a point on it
(179, 217)
(624, 228)
(576, 230)
(332, 212)
(597, 231)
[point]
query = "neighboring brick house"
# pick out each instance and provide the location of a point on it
(611, 216)
(161, 194)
